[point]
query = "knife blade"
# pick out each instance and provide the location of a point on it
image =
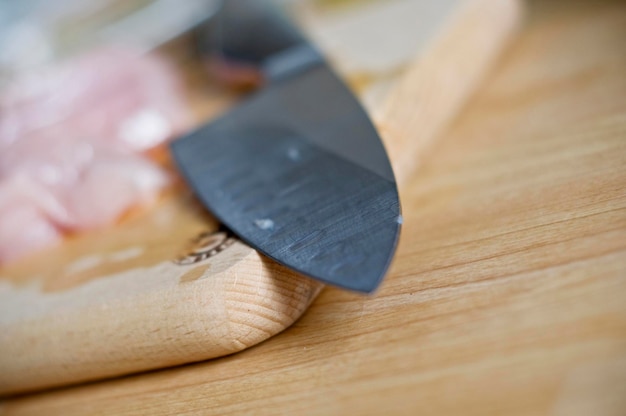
(297, 170)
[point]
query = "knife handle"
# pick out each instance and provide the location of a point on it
(237, 42)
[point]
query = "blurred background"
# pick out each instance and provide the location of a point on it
(92, 90)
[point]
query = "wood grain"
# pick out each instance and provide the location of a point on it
(113, 303)
(507, 295)
(142, 295)
(440, 80)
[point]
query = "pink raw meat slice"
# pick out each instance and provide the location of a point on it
(72, 139)
(24, 226)
(81, 184)
(111, 185)
(101, 95)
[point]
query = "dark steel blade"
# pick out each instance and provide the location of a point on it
(299, 173)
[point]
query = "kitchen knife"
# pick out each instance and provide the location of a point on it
(114, 302)
(297, 171)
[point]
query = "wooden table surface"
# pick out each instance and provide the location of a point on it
(508, 293)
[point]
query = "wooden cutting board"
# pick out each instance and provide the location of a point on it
(169, 287)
